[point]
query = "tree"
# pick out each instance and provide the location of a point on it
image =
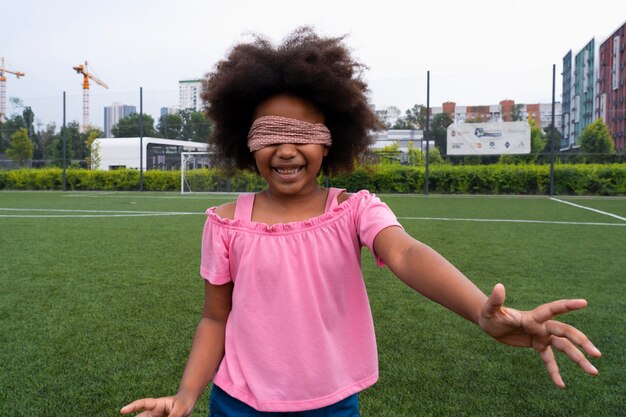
(439, 130)
(20, 147)
(16, 102)
(93, 158)
(390, 116)
(29, 120)
(42, 139)
(74, 145)
(128, 127)
(16, 122)
(196, 127)
(170, 126)
(516, 114)
(402, 124)
(537, 139)
(414, 118)
(596, 141)
(8, 128)
(551, 135)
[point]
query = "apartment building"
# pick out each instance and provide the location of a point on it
(189, 94)
(113, 114)
(578, 94)
(505, 111)
(611, 86)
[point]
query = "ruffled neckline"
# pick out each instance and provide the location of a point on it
(313, 222)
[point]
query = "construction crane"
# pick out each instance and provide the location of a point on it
(3, 81)
(82, 69)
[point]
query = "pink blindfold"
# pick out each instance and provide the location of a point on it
(272, 130)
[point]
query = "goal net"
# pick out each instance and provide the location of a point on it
(193, 176)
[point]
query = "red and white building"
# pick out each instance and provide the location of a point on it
(611, 86)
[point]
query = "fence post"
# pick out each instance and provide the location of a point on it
(427, 131)
(64, 147)
(140, 138)
(552, 134)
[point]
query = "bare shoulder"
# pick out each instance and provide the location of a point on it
(343, 197)
(227, 210)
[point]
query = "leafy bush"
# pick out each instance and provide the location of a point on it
(588, 179)
(161, 180)
(246, 181)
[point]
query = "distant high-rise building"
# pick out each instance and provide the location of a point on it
(169, 110)
(566, 100)
(578, 84)
(611, 92)
(189, 94)
(584, 97)
(113, 114)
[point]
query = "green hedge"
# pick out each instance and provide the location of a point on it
(592, 179)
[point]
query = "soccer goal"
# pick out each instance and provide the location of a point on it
(191, 166)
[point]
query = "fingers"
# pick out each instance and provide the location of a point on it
(495, 301)
(565, 338)
(574, 354)
(151, 407)
(547, 311)
(158, 407)
(537, 327)
(564, 330)
(143, 404)
(547, 356)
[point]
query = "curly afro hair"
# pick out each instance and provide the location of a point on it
(317, 69)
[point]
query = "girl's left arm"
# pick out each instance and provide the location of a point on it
(430, 274)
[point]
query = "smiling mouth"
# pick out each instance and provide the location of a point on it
(288, 171)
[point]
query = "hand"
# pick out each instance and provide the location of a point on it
(536, 329)
(159, 407)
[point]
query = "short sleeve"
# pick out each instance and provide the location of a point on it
(214, 260)
(372, 216)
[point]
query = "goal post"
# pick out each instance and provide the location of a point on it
(190, 164)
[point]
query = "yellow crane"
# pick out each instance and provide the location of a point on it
(3, 81)
(82, 69)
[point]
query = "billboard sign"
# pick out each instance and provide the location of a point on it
(502, 138)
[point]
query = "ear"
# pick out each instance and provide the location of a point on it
(254, 165)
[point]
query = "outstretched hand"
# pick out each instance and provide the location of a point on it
(536, 329)
(159, 407)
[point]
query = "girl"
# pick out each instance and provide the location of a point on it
(286, 326)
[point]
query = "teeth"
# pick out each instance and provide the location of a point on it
(288, 171)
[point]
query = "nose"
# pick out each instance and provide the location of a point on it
(286, 150)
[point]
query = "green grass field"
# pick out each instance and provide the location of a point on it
(100, 296)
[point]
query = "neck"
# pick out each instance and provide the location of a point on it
(305, 196)
(270, 207)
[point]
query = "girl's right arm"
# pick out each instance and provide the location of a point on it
(207, 351)
(429, 273)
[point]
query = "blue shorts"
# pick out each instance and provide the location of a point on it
(223, 405)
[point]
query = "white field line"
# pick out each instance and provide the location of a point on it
(451, 219)
(93, 213)
(75, 216)
(606, 213)
(129, 213)
(163, 197)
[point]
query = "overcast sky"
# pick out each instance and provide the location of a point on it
(478, 52)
